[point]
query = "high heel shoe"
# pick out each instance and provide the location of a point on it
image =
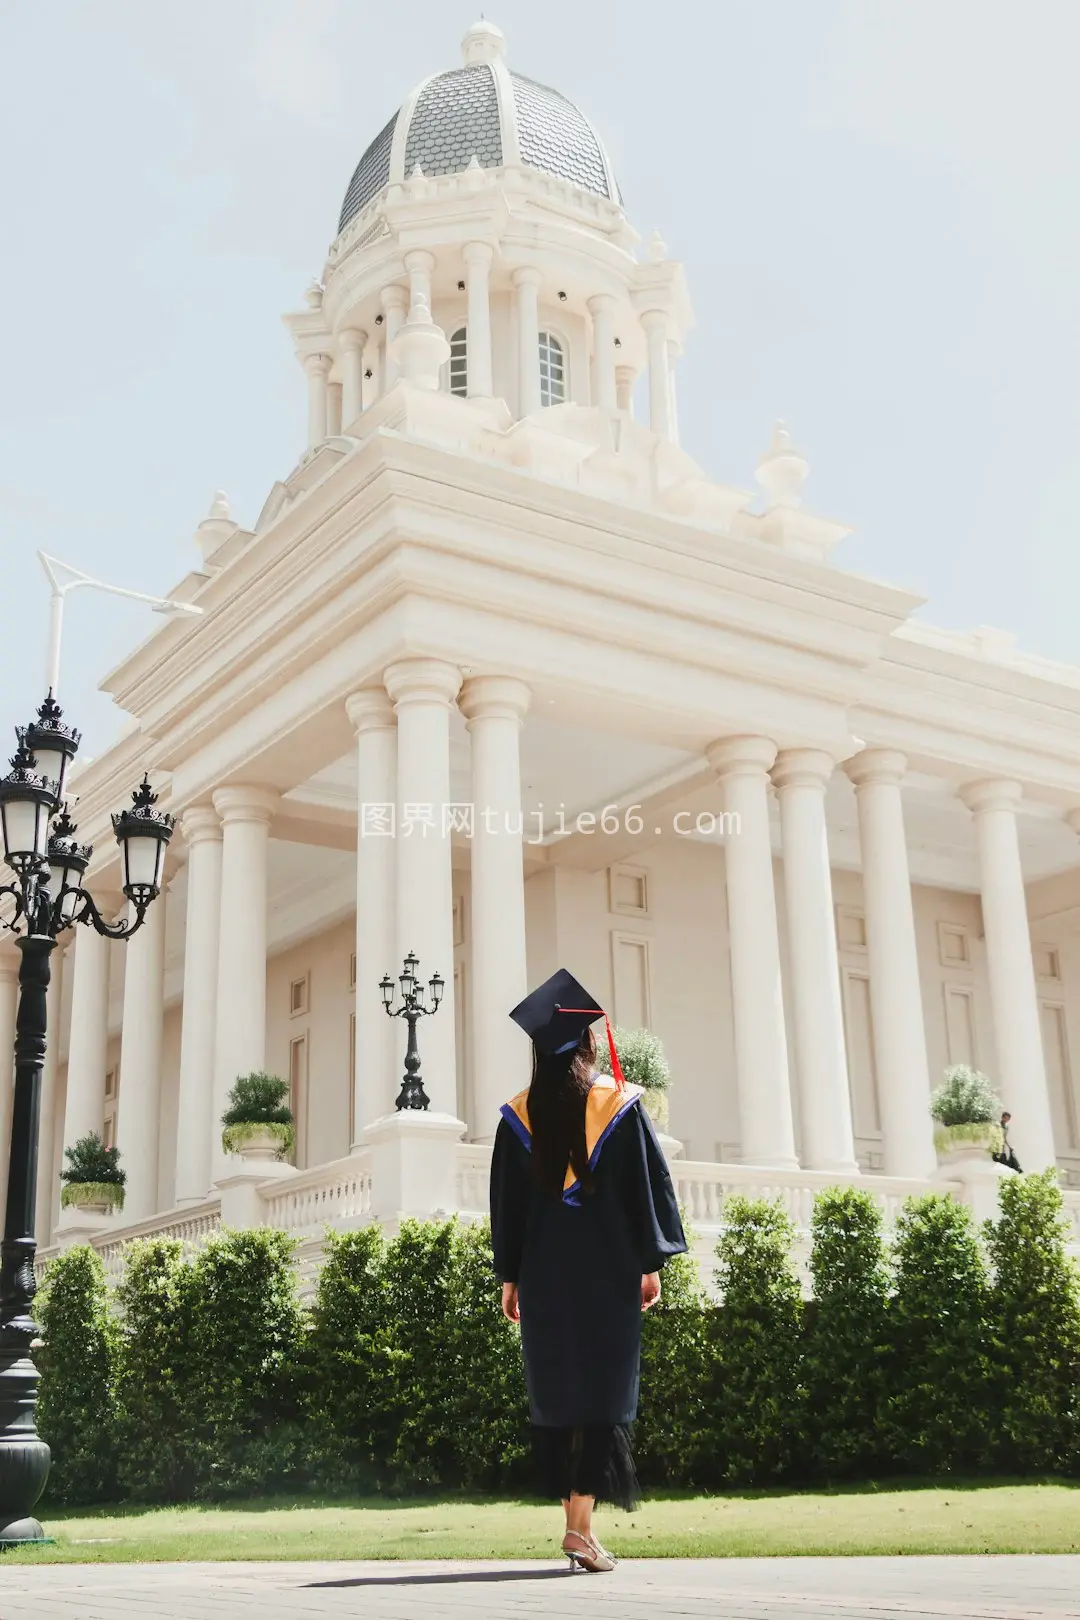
(585, 1552)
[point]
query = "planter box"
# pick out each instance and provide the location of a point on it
(258, 1143)
(95, 1197)
(963, 1144)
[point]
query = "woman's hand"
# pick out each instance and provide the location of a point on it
(650, 1290)
(511, 1309)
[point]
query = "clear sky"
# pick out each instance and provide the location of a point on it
(875, 200)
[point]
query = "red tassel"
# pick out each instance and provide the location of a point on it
(616, 1067)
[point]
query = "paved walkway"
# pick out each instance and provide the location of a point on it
(723, 1589)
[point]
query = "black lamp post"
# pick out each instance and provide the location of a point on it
(412, 1008)
(47, 897)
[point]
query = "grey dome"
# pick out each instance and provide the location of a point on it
(458, 114)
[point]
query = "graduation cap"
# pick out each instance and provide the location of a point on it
(557, 1014)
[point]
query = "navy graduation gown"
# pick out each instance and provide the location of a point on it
(578, 1261)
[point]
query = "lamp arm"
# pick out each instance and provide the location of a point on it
(87, 912)
(20, 906)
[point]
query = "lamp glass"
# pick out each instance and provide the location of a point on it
(52, 763)
(144, 855)
(26, 828)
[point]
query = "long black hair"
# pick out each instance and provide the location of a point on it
(556, 1108)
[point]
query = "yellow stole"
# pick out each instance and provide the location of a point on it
(604, 1107)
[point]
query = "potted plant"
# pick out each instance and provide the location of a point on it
(644, 1064)
(93, 1179)
(258, 1122)
(966, 1111)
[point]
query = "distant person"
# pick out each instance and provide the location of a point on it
(1007, 1156)
(583, 1218)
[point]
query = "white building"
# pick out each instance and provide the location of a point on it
(494, 579)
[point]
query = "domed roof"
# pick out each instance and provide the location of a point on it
(482, 110)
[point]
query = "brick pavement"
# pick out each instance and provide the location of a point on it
(723, 1589)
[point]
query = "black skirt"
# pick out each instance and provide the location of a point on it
(594, 1459)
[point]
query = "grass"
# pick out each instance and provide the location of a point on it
(976, 1518)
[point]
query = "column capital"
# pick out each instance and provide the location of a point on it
(872, 766)
(741, 756)
(370, 709)
(602, 304)
(422, 680)
(317, 365)
(200, 824)
(478, 254)
(803, 767)
(252, 804)
(394, 297)
(654, 320)
(526, 275)
(491, 697)
(993, 793)
(352, 340)
(419, 259)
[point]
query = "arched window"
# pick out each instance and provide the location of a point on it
(552, 370)
(459, 362)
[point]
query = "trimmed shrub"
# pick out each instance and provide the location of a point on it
(488, 1407)
(940, 1373)
(242, 1392)
(965, 1097)
(846, 1335)
(675, 1443)
(76, 1412)
(346, 1352)
(1035, 1321)
(153, 1387)
(760, 1412)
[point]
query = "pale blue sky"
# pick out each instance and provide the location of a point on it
(875, 200)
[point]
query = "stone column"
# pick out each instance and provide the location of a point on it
(903, 1075)
(527, 282)
(625, 378)
(196, 1126)
(395, 301)
(9, 1001)
(240, 1039)
(353, 343)
(655, 322)
(1014, 1000)
(373, 718)
(423, 691)
(602, 309)
(317, 367)
(139, 1102)
(88, 1040)
(494, 707)
(673, 399)
(419, 264)
(768, 1134)
(478, 256)
(334, 393)
(801, 776)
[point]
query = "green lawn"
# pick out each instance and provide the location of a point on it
(1000, 1518)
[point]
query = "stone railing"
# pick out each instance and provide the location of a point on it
(337, 1194)
(192, 1225)
(701, 1188)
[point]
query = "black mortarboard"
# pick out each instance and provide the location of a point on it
(557, 1014)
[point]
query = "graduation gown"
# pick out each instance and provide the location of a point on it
(578, 1261)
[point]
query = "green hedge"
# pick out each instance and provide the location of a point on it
(949, 1351)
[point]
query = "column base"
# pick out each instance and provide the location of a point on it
(242, 1204)
(78, 1226)
(978, 1181)
(413, 1159)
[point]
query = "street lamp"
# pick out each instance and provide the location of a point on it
(48, 865)
(412, 1008)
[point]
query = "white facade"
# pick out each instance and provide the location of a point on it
(494, 579)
